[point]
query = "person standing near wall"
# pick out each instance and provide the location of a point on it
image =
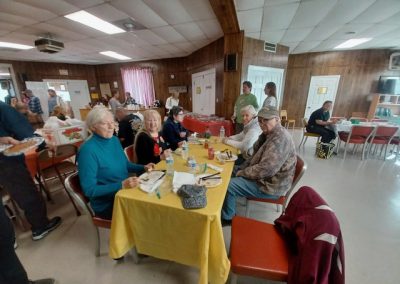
(171, 102)
(270, 91)
(114, 102)
(247, 98)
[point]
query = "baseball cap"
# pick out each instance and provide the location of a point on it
(268, 112)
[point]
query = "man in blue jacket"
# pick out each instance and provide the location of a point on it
(15, 177)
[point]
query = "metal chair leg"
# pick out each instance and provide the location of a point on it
(247, 208)
(97, 248)
(233, 277)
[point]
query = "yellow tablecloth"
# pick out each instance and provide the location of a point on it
(163, 229)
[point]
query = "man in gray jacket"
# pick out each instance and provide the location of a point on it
(270, 170)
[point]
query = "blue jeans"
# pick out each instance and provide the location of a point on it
(240, 186)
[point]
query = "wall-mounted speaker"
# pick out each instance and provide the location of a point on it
(231, 62)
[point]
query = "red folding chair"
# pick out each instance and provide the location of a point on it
(358, 134)
(383, 136)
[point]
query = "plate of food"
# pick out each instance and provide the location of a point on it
(24, 146)
(226, 157)
(151, 180)
(208, 180)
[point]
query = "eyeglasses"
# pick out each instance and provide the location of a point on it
(263, 120)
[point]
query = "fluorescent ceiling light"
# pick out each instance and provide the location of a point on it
(115, 55)
(4, 74)
(94, 22)
(352, 42)
(14, 45)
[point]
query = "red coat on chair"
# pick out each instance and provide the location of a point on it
(314, 235)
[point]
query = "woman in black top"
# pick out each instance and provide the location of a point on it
(173, 131)
(149, 144)
(318, 121)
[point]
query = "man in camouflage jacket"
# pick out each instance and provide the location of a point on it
(269, 172)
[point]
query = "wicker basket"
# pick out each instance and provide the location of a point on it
(324, 150)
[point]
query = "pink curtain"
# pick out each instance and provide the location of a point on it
(139, 82)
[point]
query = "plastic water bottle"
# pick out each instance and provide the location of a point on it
(192, 165)
(169, 160)
(221, 133)
(185, 150)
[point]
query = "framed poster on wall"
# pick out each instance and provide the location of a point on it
(394, 61)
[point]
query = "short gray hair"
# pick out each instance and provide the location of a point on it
(250, 109)
(96, 115)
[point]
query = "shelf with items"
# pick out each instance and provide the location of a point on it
(384, 106)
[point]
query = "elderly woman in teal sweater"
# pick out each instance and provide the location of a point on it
(102, 164)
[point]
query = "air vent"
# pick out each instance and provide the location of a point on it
(270, 47)
(129, 25)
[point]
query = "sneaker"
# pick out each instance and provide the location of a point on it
(225, 222)
(40, 234)
(43, 281)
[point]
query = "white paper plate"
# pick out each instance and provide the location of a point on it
(36, 141)
(4, 147)
(149, 181)
(224, 157)
(208, 182)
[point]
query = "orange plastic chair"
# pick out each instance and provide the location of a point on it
(383, 135)
(258, 250)
(73, 187)
(301, 167)
(358, 135)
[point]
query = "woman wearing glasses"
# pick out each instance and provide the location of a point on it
(173, 131)
(102, 164)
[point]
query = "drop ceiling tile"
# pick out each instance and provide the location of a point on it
(107, 13)
(168, 33)
(150, 37)
(294, 35)
(341, 34)
(291, 45)
(76, 27)
(377, 30)
(8, 26)
(199, 10)
(211, 28)
(304, 47)
(21, 37)
(190, 31)
(280, 2)
(57, 7)
(327, 45)
(244, 5)
(140, 12)
(169, 48)
(379, 11)
(132, 38)
(345, 11)
(16, 20)
(310, 13)
(85, 3)
(23, 10)
(278, 17)
(273, 36)
(252, 35)
(322, 32)
(393, 20)
(186, 46)
(395, 34)
(170, 11)
(250, 20)
(4, 32)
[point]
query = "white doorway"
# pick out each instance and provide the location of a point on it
(259, 76)
(203, 92)
(322, 88)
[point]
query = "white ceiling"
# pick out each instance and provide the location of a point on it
(320, 25)
(176, 28)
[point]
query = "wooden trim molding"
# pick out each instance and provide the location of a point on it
(226, 15)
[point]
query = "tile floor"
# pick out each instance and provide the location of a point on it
(364, 194)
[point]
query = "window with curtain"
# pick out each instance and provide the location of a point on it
(139, 82)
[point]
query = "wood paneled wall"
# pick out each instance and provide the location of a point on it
(162, 69)
(359, 72)
(37, 71)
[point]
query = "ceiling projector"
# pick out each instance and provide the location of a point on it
(49, 45)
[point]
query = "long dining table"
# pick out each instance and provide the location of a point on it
(159, 226)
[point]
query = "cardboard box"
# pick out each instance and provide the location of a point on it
(65, 135)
